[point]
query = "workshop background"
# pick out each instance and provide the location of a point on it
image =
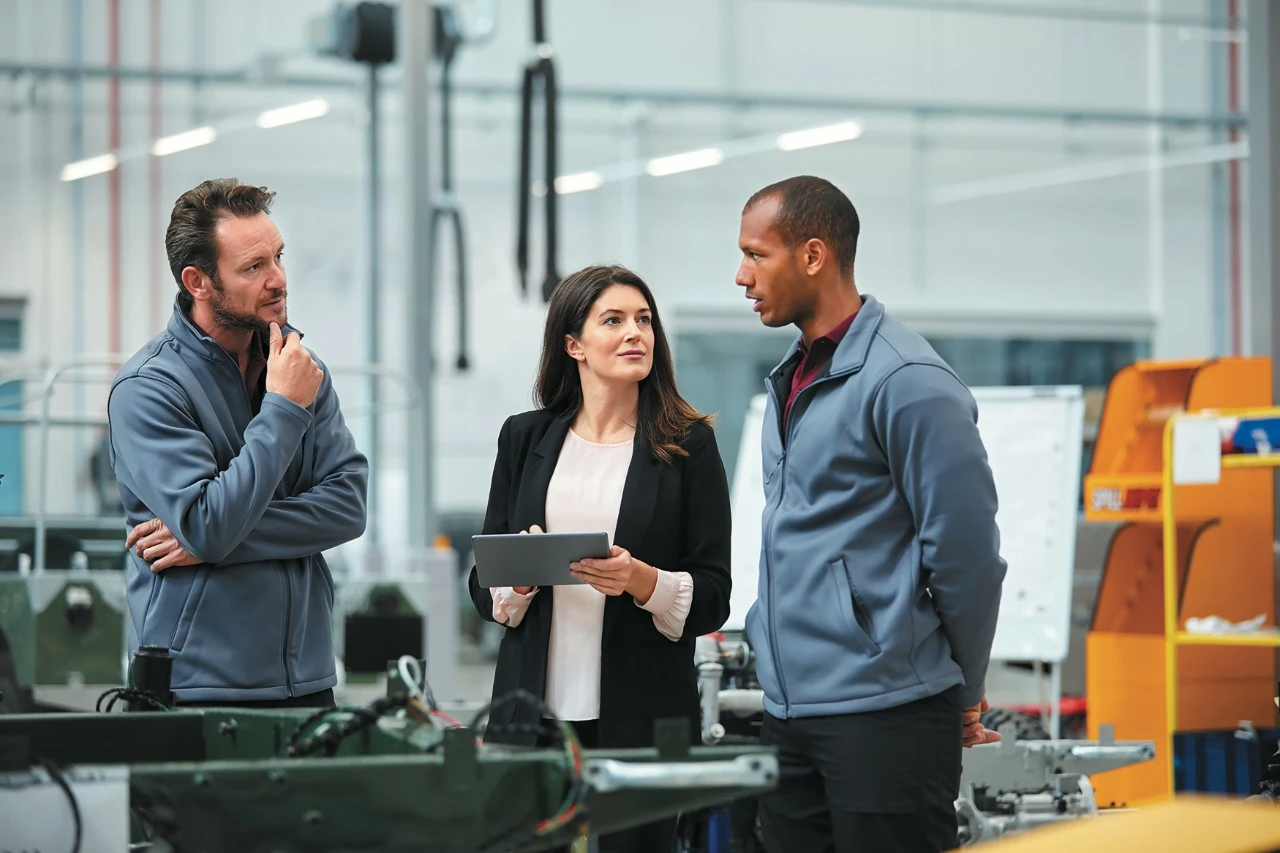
(1015, 199)
(1050, 191)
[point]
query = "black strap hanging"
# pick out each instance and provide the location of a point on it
(539, 76)
(445, 210)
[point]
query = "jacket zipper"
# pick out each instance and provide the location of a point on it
(284, 646)
(284, 571)
(768, 551)
(786, 425)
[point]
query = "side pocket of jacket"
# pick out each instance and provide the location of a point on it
(856, 615)
(189, 607)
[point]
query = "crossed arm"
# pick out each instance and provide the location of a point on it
(206, 515)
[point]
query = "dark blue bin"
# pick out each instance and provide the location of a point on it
(1253, 432)
(1222, 762)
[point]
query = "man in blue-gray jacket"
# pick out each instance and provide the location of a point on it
(236, 469)
(880, 567)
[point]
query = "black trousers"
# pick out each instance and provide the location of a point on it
(877, 782)
(321, 699)
(656, 837)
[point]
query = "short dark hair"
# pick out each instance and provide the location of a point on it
(810, 207)
(664, 417)
(189, 239)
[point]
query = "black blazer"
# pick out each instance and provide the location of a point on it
(673, 516)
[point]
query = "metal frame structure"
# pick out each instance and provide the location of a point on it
(266, 78)
(416, 68)
(414, 404)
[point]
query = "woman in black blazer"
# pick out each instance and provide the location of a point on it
(612, 446)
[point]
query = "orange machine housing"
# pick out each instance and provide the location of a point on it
(1225, 567)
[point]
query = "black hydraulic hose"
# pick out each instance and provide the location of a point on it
(552, 277)
(523, 186)
(539, 79)
(449, 38)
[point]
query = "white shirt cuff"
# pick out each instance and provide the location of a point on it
(509, 606)
(670, 603)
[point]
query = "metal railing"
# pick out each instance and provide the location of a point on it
(414, 404)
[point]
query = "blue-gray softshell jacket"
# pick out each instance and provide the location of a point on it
(257, 497)
(880, 567)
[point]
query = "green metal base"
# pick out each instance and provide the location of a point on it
(212, 781)
(93, 647)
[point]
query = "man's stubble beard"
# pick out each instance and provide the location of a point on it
(230, 320)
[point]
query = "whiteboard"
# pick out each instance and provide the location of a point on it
(747, 502)
(1033, 439)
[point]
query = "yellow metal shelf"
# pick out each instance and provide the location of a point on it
(1255, 639)
(1251, 460)
(1173, 637)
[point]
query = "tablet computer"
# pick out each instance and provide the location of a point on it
(534, 559)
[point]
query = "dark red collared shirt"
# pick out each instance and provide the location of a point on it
(255, 374)
(816, 358)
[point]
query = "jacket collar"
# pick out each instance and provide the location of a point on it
(851, 354)
(187, 333)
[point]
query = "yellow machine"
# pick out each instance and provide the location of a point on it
(1185, 551)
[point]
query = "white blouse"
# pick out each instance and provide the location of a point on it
(585, 495)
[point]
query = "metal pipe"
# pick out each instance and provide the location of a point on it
(374, 309)
(416, 37)
(154, 202)
(1218, 185)
(1035, 10)
(709, 678)
(248, 76)
(1235, 253)
(446, 210)
(77, 225)
(114, 228)
(42, 460)
(743, 702)
(487, 91)
(21, 419)
(115, 236)
(1155, 175)
(917, 194)
(1076, 173)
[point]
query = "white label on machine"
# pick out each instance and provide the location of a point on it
(1197, 451)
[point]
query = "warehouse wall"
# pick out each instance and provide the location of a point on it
(1077, 254)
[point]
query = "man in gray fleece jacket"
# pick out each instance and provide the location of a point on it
(236, 469)
(880, 567)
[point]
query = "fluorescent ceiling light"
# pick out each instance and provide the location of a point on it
(92, 166)
(842, 132)
(690, 160)
(297, 112)
(183, 141)
(578, 182)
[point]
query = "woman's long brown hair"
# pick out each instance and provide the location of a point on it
(664, 418)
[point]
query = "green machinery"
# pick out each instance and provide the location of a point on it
(17, 646)
(362, 779)
(59, 627)
(80, 625)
